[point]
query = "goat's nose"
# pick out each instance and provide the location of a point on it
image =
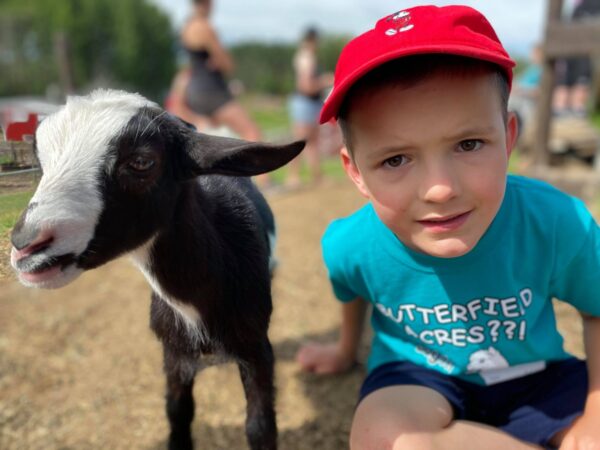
(28, 240)
(23, 234)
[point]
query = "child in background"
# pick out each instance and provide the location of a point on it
(459, 260)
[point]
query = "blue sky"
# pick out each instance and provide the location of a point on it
(519, 23)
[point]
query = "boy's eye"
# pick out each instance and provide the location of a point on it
(395, 161)
(470, 145)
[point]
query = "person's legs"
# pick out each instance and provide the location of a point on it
(560, 100)
(572, 92)
(418, 417)
(313, 155)
(581, 73)
(307, 132)
(580, 94)
(232, 115)
(384, 417)
(304, 113)
(235, 117)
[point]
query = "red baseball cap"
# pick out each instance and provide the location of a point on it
(456, 30)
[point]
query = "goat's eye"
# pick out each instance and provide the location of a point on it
(141, 164)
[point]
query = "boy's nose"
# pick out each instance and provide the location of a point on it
(439, 186)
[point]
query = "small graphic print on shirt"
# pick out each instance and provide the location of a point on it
(488, 359)
(435, 358)
(494, 368)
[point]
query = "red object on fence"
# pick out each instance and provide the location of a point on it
(16, 130)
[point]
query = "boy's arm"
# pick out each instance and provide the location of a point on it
(585, 432)
(339, 356)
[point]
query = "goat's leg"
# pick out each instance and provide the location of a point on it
(180, 371)
(257, 373)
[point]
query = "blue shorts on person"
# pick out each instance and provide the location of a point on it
(532, 408)
(304, 110)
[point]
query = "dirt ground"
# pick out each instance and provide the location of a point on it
(80, 369)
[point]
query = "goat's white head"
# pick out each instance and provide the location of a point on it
(112, 164)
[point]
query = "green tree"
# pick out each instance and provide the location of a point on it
(267, 68)
(121, 43)
(264, 68)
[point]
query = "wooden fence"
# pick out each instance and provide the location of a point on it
(16, 155)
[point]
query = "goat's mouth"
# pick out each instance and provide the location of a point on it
(39, 269)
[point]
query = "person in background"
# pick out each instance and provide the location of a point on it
(207, 93)
(175, 102)
(574, 75)
(305, 104)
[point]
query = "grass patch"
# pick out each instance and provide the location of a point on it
(269, 112)
(596, 119)
(5, 159)
(11, 206)
(331, 167)
(595, 204)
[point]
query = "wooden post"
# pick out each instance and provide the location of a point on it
(544, 106)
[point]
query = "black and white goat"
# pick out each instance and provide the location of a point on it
(122, 176)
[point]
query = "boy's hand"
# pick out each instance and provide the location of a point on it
(323, 359)
(583, 435)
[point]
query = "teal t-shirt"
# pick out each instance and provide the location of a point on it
(486, 316)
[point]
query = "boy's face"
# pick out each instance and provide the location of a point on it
(432, 159)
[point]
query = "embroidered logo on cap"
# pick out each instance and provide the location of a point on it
(400, 21)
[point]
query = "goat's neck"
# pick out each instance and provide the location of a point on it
(184, 252)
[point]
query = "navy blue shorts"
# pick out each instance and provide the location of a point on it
(532, 408)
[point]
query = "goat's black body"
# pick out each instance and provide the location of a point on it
(217, 232)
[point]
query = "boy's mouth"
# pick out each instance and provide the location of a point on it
(445, 223)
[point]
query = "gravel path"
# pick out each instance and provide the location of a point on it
(80, 369)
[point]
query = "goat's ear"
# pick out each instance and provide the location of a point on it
(207, 154)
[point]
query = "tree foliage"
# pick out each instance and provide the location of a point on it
(267, 68)
(127, 44)
(118, 43)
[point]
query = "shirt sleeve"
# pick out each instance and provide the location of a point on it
(577, 270)
(337, 264)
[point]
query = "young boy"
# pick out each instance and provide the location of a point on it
(459, 261)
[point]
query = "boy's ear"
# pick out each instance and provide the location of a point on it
(206, 154)
(512, 132)
(353, 172)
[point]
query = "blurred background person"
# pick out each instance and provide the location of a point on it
(176, 104)
(574, 75)
(207, 93)
(207, 99)
(305, 105)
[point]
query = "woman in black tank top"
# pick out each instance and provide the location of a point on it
(207, 90)
(206, 93)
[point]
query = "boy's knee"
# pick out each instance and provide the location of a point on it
(380, 438)
(399, 418)
(391, 433)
